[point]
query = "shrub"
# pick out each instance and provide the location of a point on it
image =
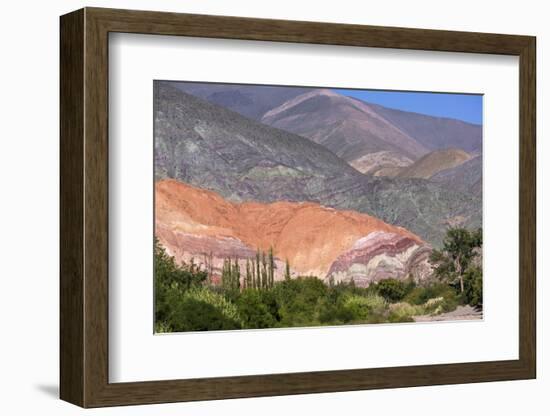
(392, 290)
(395, 317)
(172, 280)
(254, 312)
(203, 310)
(370, 308)
(405, 308)
(421, 294)
(473, 287)
(298, 301)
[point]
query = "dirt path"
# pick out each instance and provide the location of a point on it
(462, 313)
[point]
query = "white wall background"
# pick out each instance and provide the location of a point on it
(29, 85)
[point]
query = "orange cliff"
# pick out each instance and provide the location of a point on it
(191, 222)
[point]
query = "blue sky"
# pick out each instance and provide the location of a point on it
(466, 107)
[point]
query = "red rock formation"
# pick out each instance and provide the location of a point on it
(381, 255)
(196, 223)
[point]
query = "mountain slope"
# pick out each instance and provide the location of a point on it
(346, 126)
(213, 148)
(435, 132)
(199, 224)
(384, 163)
(466, 178)
(434, 162)
(251, 101)
(429, 133)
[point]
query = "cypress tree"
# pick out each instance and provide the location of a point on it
(236, 276)
(264, 271)
(258, 279)
(287, 270)
(226, 274)
(271, 268)
(253, 272)
(248, 280)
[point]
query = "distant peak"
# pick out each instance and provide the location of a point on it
(299, 99)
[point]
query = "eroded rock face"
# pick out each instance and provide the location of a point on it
(210, 252)
(193, 223)
(382, 255)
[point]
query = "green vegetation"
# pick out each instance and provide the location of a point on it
(458, 263)
(188, 300)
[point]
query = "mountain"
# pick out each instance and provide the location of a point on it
(435, 132)
(384, 163)
(346, 126)
(210, 147)
(214, 148)
(466, 178)
(196, 224)
(434, 162)
(251, 101)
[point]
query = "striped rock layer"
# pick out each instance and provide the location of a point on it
(198, 224)
(381, 255)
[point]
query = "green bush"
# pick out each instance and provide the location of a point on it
(369, 308)
(421, 294)
(396, 317)
(203, 310)
(473, 287)
(392, 290)
(171, 281)
(298, 301)
(254, 312)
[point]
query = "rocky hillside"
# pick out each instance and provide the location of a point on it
(346, 126)
(251, 101)
(196, 224)
(434, 162)
(213, 148)
(466, 178)
(349, 127)
(435, 132)
(384, 163)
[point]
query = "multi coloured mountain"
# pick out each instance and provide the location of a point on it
(212, 147)
(198, 225)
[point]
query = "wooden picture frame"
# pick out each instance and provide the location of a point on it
(84, 207)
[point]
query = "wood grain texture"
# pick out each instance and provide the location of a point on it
(84, 207)
(71, 208)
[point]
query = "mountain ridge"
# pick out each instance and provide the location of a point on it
(195, 223)
(211, 147)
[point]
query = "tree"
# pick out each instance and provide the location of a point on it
(392, 290)
(458, 250)
(258, 275)
(226, 274)
(287, 270)
(253, 269)
(254, 312)
(271, 275)
(248, 279)
(264, 271)
(172, 280)
(473, 286)
(236, 276)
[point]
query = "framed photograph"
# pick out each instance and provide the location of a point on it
(260, 207)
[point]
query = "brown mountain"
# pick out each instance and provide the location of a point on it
(384, 163)
(434, 162)
(251, 101)
(435, 132)
(195, 223)
(348, 127)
